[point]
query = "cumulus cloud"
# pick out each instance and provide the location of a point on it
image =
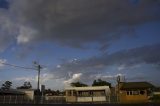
(2, 61)
(74, 78)
(46, 77)
(74, 23)
(25, 35)
(125, 59)
(106, 77)
(7, 30)
(87, 70)
(43, 78)
(29, 78)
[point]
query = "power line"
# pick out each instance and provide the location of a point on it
(38, 68)
(12, 65)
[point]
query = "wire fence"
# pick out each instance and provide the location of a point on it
(16, 99)
(22, 99)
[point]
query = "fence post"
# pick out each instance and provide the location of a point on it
(22, 100)
(16, 99)
(118, 99)
(9, 99)
(33, 99)
(4, 100)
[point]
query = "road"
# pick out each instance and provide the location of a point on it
(80, 104)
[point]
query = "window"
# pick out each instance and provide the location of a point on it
(99, 93)
(142, 92)
(83, 93)
(80, 93)
(135, 92)
(74, 93)
(69, 93)
(103, 93)
(130, 92)
(90, 93)
(149, 92)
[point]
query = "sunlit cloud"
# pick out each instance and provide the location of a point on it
(46, 77)
(29, 78)
(74, 78)
(1, 62)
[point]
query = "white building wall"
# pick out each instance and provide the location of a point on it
(84, 99)
(99, 99)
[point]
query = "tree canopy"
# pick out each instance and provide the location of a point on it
(26, 85)
(78, 84)
(7, 85)
(100, 82)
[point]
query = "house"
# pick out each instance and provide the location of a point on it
(11, 92)
(156, 95)
(156, 91)
(7, 96)
(30, 93)
(88, 94)
(133, 92)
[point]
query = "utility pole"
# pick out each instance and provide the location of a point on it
(38, 95)
(118, 87)
(38, 69)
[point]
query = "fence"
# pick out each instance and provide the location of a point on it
(22, 99)
(16, 99)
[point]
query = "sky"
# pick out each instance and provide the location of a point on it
(79, 40)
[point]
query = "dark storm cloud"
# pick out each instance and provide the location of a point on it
(4, 4)
(76, 23)
(126, 58)
(7, 30)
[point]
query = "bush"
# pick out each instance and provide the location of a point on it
(156, 98)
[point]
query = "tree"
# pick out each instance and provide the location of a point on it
(78, 84)
(26, 85)
(100, 82)
(7, 85)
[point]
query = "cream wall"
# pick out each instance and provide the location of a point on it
(124, 98)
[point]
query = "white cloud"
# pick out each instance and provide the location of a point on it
(25, 34)
(121, 67)
(7, 30)
(19, 81)
(58, 66)
(2, 61)
(74, 78)
(106, 77)
(124, 67)
(46, 77)
(73, 60)
(29, 78)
